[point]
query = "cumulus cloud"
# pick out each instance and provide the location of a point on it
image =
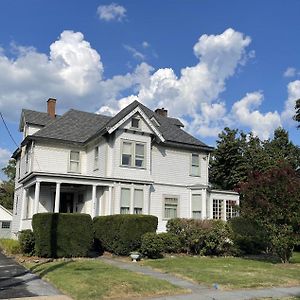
(145, 44)
(135, 53)
(245, 112)
(111, 12)
(290, 72)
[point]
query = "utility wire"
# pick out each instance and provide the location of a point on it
(8, 130)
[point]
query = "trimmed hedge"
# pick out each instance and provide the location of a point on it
(152, 245)
(27, 241)
(62, 234)
(122, 234)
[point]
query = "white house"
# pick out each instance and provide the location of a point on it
(5, 222)
(137, 162)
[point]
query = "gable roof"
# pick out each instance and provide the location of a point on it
(9, 212)
(80, 127)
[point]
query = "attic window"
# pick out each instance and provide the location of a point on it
(135, 123)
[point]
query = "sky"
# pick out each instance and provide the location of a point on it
(210, 63)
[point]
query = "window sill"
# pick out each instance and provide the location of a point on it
(73, 172)
(130, 167)
(191, 175)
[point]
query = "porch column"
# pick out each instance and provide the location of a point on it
(203, 212)
(131, 208)
(57, 197)
(109, 209)
(23, 208)
(37, 197)
(146, 208)
(224, 209)
(94, 200)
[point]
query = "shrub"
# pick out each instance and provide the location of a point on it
(152, 245)
(122, 234)
(171, 242)
(248, 235)
(62, 234)
(27, 241)
(205, 237)
(10, 246)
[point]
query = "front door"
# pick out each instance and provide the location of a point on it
(66, 203)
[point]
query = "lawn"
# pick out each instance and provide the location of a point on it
(93, 279)
(231, 272)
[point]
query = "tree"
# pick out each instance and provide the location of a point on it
(7, 187)
(297, 115)
(272, 199)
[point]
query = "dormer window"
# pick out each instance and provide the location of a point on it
(135, 123)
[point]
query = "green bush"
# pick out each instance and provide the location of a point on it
(62, 234)
(122, 234)
(152, 245)
(10, 246)
(205, 237)
(249, 236)
(171, 243)
(27, 241)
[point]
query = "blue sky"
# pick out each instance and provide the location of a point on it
(211, 63)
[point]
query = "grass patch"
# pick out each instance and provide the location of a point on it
(9, 246)
(93, 279)
(231, 272)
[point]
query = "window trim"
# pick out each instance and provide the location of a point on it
(191, 165)
(139, 123)
(134, 206)
(220, 211)
(164, 218)
(133, 154)
(5, 223)
(192, 210)
(96, 158)
(79, 162)
(231, 211)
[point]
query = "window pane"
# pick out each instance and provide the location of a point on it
(125, 198)
(138, 198)
(127, 148)
(139, 149)
(139, 162)
(135, 122)
(195, 170)
(5, 225)
(196, 202)
(197, 215)
(74, 166)
(124, 210)
(74, 155)
(126, 160)
(171, 207)
(195, 160)
(138, 211)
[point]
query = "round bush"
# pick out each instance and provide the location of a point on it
(27, 241)
(171, 242)
(152, 245)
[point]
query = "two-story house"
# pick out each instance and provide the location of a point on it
(137, 162)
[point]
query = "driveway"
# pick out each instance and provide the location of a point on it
(17, 282)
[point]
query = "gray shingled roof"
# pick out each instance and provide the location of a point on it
(79, 127)
(35, 117)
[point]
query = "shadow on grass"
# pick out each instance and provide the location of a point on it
(266, 258)
(50, 268)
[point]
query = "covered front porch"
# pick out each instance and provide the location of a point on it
(65, 195)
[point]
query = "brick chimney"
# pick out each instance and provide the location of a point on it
(162, 112)
(51, 102)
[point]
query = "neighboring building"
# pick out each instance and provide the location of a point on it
(5, 222)
(137, 162)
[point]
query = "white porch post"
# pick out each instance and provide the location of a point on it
(24, 207)
(109, 200)
(131, 199)
(146, 207)
(94, 200)
(224, 209)
(57, 197)
(203, 194)
(37, 197)
(211, 202)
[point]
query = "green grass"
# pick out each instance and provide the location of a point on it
(10, 246)
(93, 279)
(231, 272)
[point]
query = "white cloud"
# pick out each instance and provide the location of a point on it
(111, 12)
(135, 53)
(261, 124)
(290, 72)
(4, 157)
(145, 44)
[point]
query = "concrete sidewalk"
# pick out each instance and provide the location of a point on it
(201, 292)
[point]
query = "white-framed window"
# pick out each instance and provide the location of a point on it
(138, 200)
(5, 225)
(195, 164)
(96, 158)
(218, 209)
(27, 154)
(231, 210)
(19, 168)
(135, 123)
(133, 154)
(196, 206)
(170, 207)
(74, 164)
(125, 201)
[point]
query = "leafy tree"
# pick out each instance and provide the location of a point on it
(272, 198)
(297, 115)
(7, 187)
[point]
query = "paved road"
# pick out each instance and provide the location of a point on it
(16, 281)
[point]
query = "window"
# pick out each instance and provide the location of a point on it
(74, 161)
(196, 206)
(96, 158)
(217, 209)
(195, 165)
(138, 202)
(5, 224)
(19, 168)
(16, 206)
(171, 207)
(27, 160)
(231, 211)
(125, 201)
(135, 123)
(133, 154)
